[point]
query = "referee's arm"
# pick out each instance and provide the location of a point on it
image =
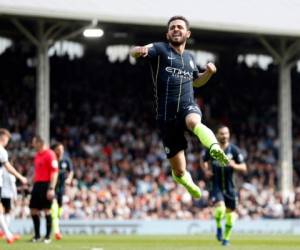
(53, 177)
(52, 185)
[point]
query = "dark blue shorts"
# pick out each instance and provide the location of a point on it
(59, 198)
(228, 196)
(172, 130)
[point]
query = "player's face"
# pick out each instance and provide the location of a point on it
(36, 144)
(4, 140)
(177, 32)
(223, 135)
(59, 151)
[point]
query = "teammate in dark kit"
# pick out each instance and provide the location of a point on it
(65, 177)
(174, 75)
(223, 193)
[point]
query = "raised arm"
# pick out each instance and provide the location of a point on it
(205, 76)
(140, 51)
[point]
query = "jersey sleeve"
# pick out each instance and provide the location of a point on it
(153, 50)
(3, 156)
(195, 68)
(238, 156)
(53, 162)
(70, 164)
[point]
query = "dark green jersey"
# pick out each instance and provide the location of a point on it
(223, 176)
(65, 167)
(173, 75)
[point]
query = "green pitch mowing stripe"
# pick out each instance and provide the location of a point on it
(201, 242)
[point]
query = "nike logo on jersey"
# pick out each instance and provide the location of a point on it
(171, 58)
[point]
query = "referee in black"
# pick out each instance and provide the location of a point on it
(43, 192)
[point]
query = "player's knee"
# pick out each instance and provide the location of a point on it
(178, 172)
(34, 212)
(192, 121)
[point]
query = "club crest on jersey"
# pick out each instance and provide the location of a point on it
(167, 150)
(64, 165)
(230, 156)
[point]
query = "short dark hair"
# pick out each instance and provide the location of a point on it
(179, 18)
(220, 126)
(39, 139)
(4, 131)
(55, 145)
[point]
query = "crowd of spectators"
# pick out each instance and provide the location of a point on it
(103, 114)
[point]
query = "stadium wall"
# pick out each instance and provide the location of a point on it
(163, 227)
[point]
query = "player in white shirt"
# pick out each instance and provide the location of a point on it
(4, 163)
(8, 194)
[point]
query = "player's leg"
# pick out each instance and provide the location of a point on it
(47, 204)
(205, 136)
(35, 215)
(217, 198)
(219, 213)
(8, 235)
(58, 236)
(34, 205)
(56, 213)
(172, 133)
(6, 202)
(48, 225)
(182, 176)
(230, 218)
(2, 234)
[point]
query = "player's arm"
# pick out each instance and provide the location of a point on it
(238, 161)
(140, 51)
(70, 177)
(53, 179)
(240, 167)
(206, 170)
(205, 76)
(52, 185)
(14, 172)
(70, 169)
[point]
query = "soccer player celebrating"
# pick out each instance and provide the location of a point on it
(65, 177)
(223, 192)
(43, 192)
(4, 162)
(174, 74)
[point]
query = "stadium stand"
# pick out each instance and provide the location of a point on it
(120, 167)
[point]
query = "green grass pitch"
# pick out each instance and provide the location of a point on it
(134, 242)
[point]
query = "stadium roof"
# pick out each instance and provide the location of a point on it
(269, 17)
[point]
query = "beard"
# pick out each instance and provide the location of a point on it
(177, 42)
